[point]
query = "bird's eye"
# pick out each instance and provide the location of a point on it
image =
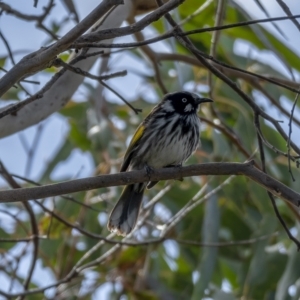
(184, 100)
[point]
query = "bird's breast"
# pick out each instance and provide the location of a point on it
(169, 141)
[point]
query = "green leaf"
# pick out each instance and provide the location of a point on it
(2, 61)
(75, 110)
(290, 275)
(208, 258)
(78, 136)
(12, 94)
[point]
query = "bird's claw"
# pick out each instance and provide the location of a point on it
(149, 171)
(179, 166)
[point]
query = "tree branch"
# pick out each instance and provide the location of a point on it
(202, 57)
(247, 169)
(133, 28)
(62, 90)
(38, 60)
(34, 226)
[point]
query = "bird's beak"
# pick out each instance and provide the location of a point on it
(203, 100)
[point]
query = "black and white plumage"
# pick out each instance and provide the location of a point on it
(167, 137)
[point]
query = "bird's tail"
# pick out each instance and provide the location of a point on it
(124, 215)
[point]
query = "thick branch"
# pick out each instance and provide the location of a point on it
(62, 90)
(62, 87)
(133, 28)
(38, 60)
(247, 169)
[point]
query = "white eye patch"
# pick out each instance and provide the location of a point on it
(184, 100)
(188, 108)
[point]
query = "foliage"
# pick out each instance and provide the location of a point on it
(251, 257)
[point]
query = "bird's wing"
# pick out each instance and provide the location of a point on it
(135, 141)
(133, 144)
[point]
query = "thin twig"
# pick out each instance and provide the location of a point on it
(40, 59)
(265, 41)
(215, 38)
(194, 202)
(288, 12)
(290, 135)
(18, 221)
(257, 111)
(269, 16)
(80, 44)
(17, 261)
(152, 57)
(8, 48)
(39, 19)
(225, 244)
(34, 227)
(136, 110)
(21, 240)
(13, 109)
(231, 135)
(272, 147)
(263, 163)
(33, 148)
(202, 58)
(59, 62)
(274, 102)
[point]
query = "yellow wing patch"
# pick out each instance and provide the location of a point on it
(137, 135)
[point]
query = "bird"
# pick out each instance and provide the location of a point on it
(167, 137)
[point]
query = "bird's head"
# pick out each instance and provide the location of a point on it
(183, 102)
